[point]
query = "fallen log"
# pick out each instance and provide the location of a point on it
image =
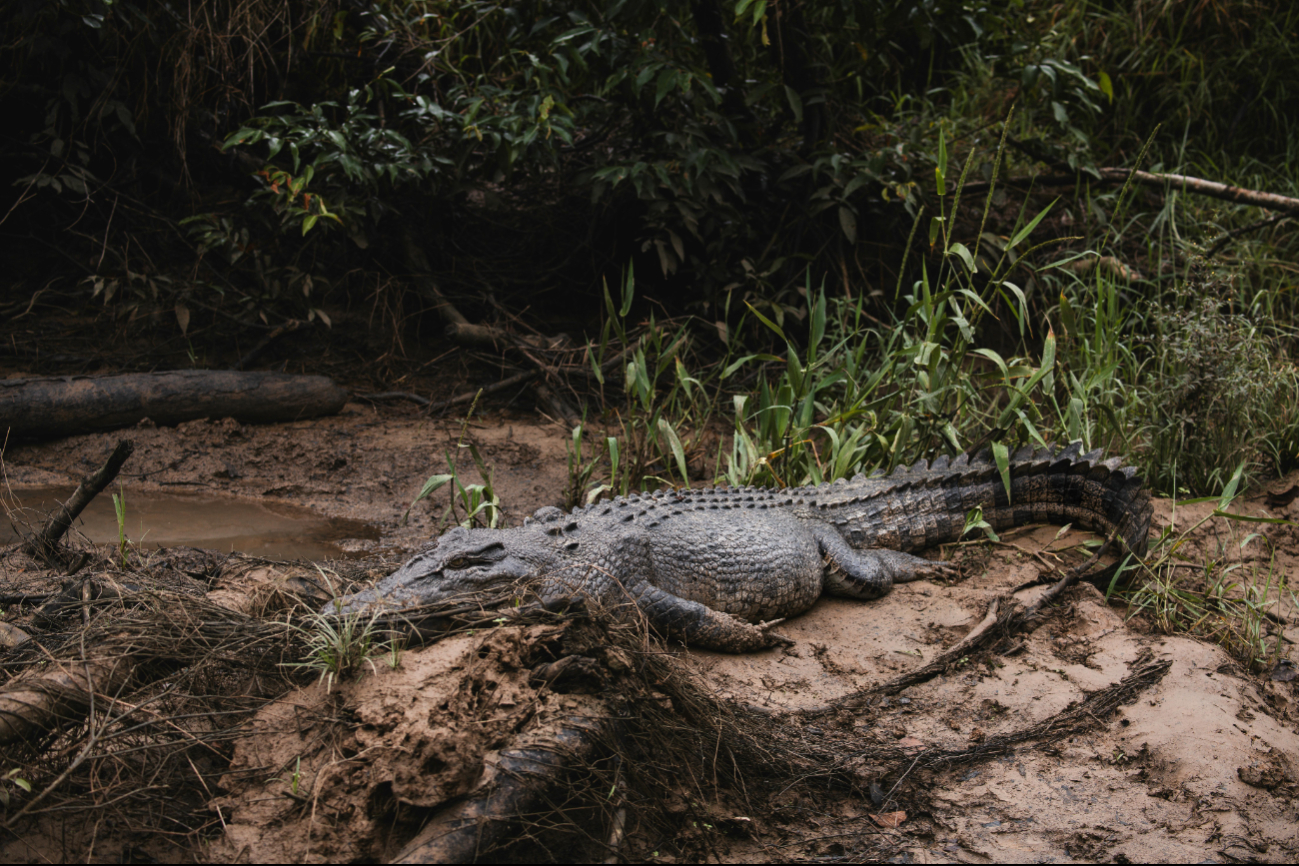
(53, 407)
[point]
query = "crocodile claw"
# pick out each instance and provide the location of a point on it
(937, 568)
(775, 638)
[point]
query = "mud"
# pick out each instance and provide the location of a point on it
(365, 465)
(1202, 766)
(156, 519)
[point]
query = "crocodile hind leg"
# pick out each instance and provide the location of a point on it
(868, 574)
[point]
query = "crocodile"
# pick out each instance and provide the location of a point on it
(717, 568)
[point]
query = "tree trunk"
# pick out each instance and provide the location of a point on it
(49, 408)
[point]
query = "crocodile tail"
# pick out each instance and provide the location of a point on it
(1069, 487)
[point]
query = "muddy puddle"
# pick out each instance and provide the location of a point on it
(157, 519)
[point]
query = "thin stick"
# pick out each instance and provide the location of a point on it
(47, 540)
(468, 396)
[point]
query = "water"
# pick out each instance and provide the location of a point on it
(157, 519)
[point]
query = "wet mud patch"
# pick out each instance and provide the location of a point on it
(160, 519)
(365, 465)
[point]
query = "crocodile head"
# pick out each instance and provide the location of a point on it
(462, 562)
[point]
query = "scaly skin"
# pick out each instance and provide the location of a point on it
(717, 568)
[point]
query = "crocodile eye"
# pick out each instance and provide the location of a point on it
(458, 562)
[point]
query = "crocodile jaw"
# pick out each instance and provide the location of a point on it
(462, 562)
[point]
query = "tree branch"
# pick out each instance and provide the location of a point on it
(1199, 186)
(47, 540)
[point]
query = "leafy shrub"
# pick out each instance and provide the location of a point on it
(1216, 396)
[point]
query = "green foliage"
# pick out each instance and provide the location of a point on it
(12, 777)
(1215, 392)
(1229, 594)
(338, 645)
(478, 502)
(119, 509)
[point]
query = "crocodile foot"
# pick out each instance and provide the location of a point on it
(774, 638)
(927, 569)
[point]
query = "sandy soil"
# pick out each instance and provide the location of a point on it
(1202, 766)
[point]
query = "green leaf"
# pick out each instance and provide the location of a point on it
(628, 291)
(667, 80)
(1028, 229)
(1217, 512)
(940, 170)
(961, 250)
(735, 365)
(1106, 86)
(795, 103)
(674, 443)
(431, 486)
(1067, 317)
(1002, 457)
(1229, 493)
(996, 359)
(974, 520)
(848, 223)
(770, 324)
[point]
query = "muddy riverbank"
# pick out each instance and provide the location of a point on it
(1200, 765)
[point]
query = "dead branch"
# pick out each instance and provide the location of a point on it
(394, 395)
(47, 540)
(461, 330)
(468, 396)
(51, 407)
(129, 650)
(1071, 720)
(997, 622)
(1221, 242)
(287, 328)
(32, 705)
(1186, 183)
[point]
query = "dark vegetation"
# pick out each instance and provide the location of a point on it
(206, 174)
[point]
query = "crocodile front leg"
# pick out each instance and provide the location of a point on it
(868, 574)
(698, 625)
(631, 569)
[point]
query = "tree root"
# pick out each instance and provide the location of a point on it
(522, 776)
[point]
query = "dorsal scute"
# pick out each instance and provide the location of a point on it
(545, 514)
(1072, 452)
